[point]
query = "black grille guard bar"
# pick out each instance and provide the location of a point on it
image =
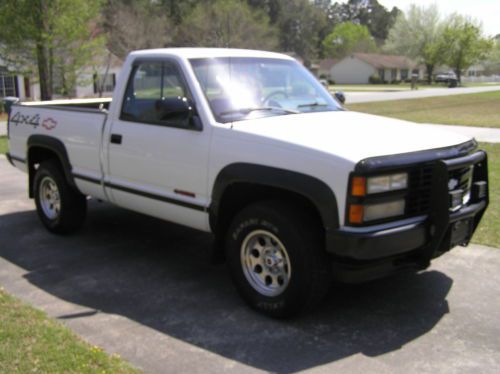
(440, 217)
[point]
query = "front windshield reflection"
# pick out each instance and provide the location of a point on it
(244, 88)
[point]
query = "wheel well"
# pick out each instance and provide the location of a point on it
(239, 195)
(37, 155)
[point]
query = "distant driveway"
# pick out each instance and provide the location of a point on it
(145, 289)
(3, 128)
(365, 97)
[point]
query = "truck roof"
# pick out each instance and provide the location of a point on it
(209, 53)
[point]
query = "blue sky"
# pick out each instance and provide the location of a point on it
(486, 11)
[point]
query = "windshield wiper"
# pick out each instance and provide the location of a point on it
(311, 104)
(266, 108)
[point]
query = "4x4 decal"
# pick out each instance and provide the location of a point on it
(18, 118)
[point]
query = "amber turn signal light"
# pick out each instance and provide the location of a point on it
(358, 187)
(356, 213)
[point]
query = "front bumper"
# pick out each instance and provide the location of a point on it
(371, 252)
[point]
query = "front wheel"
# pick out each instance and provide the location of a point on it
(276, 259)
(61, 208)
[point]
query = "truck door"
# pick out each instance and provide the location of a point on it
(157, 155)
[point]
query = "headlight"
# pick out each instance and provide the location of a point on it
(370, 212)
(362, 186)
(362, 207)
(387, 183)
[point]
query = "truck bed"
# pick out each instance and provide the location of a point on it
(77, 124)
(98, 103)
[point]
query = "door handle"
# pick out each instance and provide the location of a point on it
(116, 139)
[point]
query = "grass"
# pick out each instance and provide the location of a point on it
(379, 87)
(488, 232)
(480, 109)
(30, 342)
(3, 145)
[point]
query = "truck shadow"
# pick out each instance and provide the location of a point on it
(160, 275)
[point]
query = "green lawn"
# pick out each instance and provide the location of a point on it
(488, 232)
(3, 144)
(378, 87)
(481, 109)
(30, 342)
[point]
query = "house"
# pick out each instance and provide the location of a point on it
(12, 84)
(325, 67)
(96, 79)
(357, 68)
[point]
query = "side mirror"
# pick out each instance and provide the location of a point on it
(178, 109)
(339, 95)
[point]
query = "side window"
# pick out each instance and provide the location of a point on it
(156, 94)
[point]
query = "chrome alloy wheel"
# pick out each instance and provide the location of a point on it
(265, 263)
(50, 199)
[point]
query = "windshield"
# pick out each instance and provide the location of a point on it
(239, 88)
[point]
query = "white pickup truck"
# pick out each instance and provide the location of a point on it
(249, 146)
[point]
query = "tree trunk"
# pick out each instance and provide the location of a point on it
(458, 73)
(43, 60)
(43, 73)
(430, 69)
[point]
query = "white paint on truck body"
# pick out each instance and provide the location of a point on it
(158, 160)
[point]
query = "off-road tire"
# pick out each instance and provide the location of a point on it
(301, 236)
(72, 204)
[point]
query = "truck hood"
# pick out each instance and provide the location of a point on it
(351, 135)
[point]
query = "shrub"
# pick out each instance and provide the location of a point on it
(2, 106)
(375, 79)
(331, 81)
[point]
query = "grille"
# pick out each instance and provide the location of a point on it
(419, 191)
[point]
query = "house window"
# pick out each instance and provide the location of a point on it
(104, 83)
(394, 74)
(404, 74)
(8, 83)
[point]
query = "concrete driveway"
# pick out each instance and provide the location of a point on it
(145, 289)
(365, 97)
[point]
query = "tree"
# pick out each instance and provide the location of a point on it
(364, 12)
(50, 36)
(347, 38)
(492, 63)
(132, 25)
(300, 23)
(226, 23)
(419, 35)
(465, 44)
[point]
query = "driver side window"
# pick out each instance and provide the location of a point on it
(156, 94)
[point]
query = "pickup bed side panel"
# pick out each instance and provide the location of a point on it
(79, 130)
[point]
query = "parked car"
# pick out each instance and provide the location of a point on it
(445, 77)
(249, 146)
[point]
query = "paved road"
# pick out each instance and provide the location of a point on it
(364, 97)
(145, 289)
(482, 134)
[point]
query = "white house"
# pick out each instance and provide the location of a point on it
(359, 67)
(90, 82)
(12, 84)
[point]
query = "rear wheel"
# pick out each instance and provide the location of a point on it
(276, 259)
(60, 207)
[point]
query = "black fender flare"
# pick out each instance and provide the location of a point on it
(313, 189)
(58, 148)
